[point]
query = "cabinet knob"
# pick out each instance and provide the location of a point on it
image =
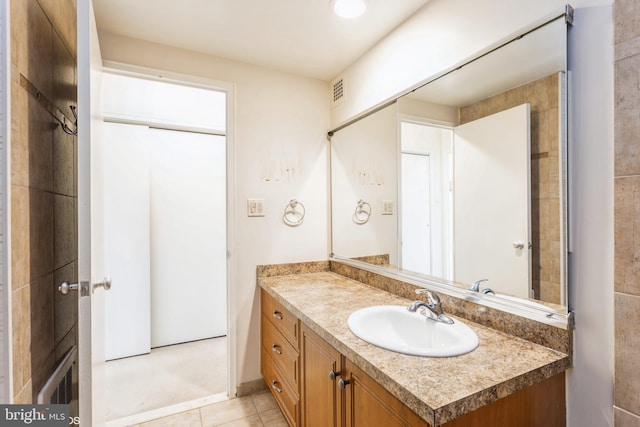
(333, 374)
(277, 314)
(343, 383)
(274, 385)
(276, 349)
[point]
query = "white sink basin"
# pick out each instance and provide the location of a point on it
(393, 327)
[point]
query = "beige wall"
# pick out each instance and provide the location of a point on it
(43, 189)
(543, 96)
(627, 213)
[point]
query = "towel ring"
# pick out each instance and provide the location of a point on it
(293, 216)
(362, 212)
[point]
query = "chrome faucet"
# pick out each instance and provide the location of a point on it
(433, 306)
(476, 286)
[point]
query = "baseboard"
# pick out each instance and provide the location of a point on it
(250, 387)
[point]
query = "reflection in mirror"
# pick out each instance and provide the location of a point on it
(472, 173)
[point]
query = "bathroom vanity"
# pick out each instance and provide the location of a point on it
(321, 374)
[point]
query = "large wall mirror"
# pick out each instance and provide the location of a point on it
(464, 178)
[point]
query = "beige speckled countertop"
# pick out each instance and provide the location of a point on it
(437, 389)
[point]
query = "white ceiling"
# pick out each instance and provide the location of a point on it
(297, 36)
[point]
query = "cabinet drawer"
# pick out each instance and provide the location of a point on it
(283, 354)
(287, 398)
(281, 318)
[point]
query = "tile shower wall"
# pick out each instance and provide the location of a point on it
(543, 97)
(43, 189)
(627, 213)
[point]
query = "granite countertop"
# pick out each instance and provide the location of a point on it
(437, 389)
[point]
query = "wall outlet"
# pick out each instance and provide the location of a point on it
(255, 207)
(387, 207)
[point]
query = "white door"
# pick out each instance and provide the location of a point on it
(125, 184)
(491, 201)
(90, 307)
(188, 236)
(416, 212)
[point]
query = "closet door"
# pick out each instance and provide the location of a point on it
(188, 236)
(126, 239)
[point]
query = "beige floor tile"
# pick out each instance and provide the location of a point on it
(183, 419)
(273, 418)
(252, 421)
(264, 401)
(227, 411)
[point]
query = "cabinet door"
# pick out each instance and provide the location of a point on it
(320, 395)
(368, 404)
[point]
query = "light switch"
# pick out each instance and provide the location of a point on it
(255, 207)
(387, 207)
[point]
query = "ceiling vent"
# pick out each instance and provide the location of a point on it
(338, 92)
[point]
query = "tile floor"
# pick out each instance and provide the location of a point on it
(166, 377)
(257, 410)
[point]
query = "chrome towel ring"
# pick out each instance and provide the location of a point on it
(362, 212)
(293, 213)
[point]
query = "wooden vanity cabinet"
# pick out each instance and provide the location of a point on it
(279, 356)
(367, 403)
(321, 366)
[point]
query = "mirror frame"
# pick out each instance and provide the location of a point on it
(560, 318)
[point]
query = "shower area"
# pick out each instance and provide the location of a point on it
(165, 226)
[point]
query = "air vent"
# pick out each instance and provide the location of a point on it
(338, 91)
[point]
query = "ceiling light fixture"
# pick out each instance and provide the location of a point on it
(349, 9)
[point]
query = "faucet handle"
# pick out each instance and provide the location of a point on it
(432, 296)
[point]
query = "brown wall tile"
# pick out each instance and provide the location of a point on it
(21, 319)
(64, 78)
(62, 15)
(39, 53)
(627, 120)
(40, 145)
(19, 135)
(66, 306)
(41, 232)
(627, 20)
(627, 352)
(20, 238)
(627, 235)
(64, 160)
(42, 318)
(625, 419)
(65, 230)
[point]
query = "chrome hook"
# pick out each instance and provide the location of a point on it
(66, 128)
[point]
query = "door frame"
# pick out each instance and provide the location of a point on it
(229, 89)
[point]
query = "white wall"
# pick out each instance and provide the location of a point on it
(279, 119)
(444, 33)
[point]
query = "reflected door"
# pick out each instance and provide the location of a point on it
(491, 201)
(416, 212)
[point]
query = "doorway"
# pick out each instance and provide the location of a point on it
(425, 198)
(165, 233)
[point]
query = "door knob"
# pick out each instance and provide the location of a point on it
(518, 245)
(65, 287)
(106, 284)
